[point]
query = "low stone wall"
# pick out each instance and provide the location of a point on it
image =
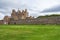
(1, 22)
(36, 21)
(48, 20)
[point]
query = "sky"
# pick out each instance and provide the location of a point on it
(34, 7)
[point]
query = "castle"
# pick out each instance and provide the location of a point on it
(22, 17)
(17, 16)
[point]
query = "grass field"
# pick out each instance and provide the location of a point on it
(29, 32)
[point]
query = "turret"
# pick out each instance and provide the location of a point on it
(19, 12)
(13, 12)
(25, 10)
(26, 13)
(14, 15)
(6, 19)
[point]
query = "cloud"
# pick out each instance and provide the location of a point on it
(34, 6)
(52, 9)
(1, 16)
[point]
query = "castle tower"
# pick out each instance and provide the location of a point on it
(6, 19)
(19, 14)
(24, 14)
(14, 15)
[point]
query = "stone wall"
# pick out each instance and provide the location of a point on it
(1, 22)
(49, 20)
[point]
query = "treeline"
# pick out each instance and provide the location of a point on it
(54, 15)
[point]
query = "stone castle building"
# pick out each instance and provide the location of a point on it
(22, 17)
(17, 16)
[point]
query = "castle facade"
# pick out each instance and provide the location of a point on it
(15, 16)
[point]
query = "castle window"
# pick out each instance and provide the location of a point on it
(23, 14)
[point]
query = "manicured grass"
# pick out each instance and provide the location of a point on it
(29, 32)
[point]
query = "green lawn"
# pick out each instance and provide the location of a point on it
(29, 32)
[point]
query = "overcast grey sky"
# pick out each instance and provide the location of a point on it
(35, 7)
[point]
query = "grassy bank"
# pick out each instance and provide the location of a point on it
(29, 32)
